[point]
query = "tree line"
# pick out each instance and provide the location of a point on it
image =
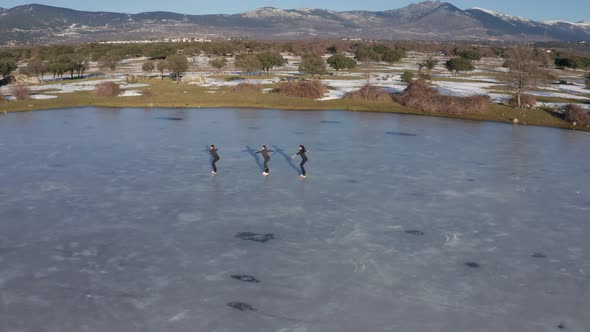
(527, 66)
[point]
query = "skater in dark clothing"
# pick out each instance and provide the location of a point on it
(301, 153)
(213, 153)
(266, 158)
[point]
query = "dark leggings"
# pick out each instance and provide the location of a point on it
(266, 170)
(303, 172)
(216, 159)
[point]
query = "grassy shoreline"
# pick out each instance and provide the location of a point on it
(166, 94)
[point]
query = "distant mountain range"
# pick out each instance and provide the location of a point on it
(430, 20)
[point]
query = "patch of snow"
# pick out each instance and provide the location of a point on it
(558, 95)
(213, 83)
(578, 89)
(130, 93)
(41, 96)
(558, 106)
(468, 89)
(271, 12)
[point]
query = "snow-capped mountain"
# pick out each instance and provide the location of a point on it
(504, 17)
(429, 20)
(581, 24)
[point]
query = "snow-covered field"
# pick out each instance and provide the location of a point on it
(485, 80)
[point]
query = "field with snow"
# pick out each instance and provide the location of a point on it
(486, 79)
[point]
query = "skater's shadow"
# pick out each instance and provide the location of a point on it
(287, 158)
(252, 152)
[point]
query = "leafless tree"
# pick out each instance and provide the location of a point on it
(525, 72)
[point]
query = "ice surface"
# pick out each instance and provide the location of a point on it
(111, 221)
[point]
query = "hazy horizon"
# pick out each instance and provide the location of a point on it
(539, 10)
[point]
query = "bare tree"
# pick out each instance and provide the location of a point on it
(525, 73)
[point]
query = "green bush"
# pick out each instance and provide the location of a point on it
(7, 66)
(572, 62)
(470, 55)
(459, 64)
(339, 61)
(312, 65)
(407, 76)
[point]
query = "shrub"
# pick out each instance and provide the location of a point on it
(247, 88)
(21, 92)
(420, 96)
(303, 89)
(526, 100)
(407, 77)
(107, 89)
(370, 93)
(234, 78)
(574, 113)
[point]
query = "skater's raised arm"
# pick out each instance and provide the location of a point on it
(264, 148)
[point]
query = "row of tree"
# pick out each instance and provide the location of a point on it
(261, 62)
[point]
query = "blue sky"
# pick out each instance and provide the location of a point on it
(572, 10)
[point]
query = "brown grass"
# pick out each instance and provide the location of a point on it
(247, 88)
(21, 92)
(302, 89)
(107, 89)
(576, 114)
(147, 93)
(419, 95)
(370, 93)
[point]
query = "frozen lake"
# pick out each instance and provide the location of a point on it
(111, 222)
